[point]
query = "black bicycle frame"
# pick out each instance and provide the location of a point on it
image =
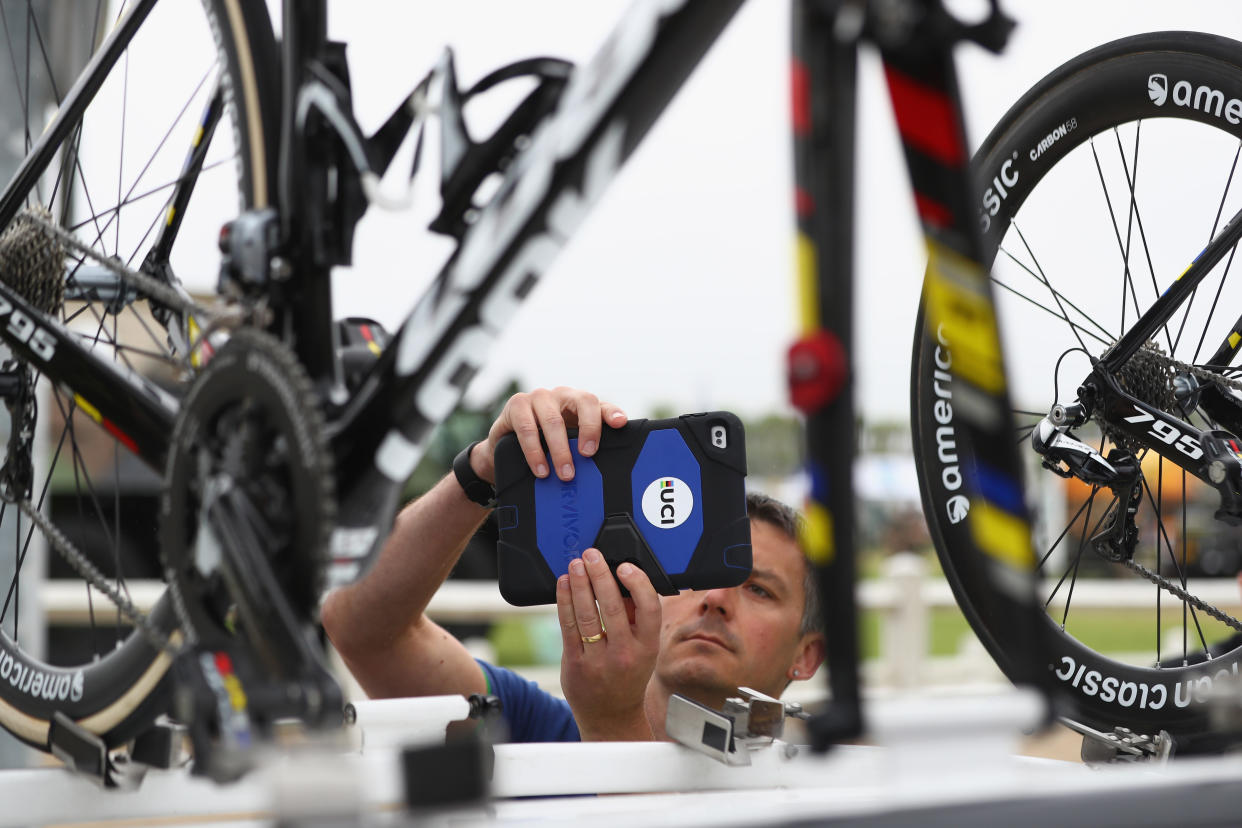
(607, 108)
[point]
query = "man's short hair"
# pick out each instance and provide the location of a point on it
(786, 519)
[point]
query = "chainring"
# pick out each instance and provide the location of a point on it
(250, 425)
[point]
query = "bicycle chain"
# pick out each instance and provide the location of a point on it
(160, 291)
(1197, 603)
(95, 578)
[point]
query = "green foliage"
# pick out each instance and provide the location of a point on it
(773, 445)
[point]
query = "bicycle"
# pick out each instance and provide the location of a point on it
(1116, 167)
(284, 435)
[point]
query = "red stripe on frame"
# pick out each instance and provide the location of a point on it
(925, 118)
(800, 88)
(932, 211)
(803, 203)
(118, 434)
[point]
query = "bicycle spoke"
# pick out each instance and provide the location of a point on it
(1135, 218)
(120, 161)
(1159, 523)
(1185, 648)
(1122, 247)
(1220, 208)
(108, 211)
(1086, 504)
(1180, 573)
(1215, 301)
(1073, 325)
(1043, 278)
(1082, 543)
(22, 93)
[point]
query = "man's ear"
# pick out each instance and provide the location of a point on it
(810, 654)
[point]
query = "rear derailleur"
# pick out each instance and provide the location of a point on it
(1214, 456)
(1068, 457)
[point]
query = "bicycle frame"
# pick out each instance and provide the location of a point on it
(378, 434)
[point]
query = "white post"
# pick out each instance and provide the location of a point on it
(905, 629)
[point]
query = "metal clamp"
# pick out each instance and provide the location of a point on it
(1121, 745)
(753, 721)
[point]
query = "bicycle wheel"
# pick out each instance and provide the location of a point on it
(141, 177)
(1095, 192)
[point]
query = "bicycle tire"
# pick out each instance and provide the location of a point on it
(118, 690)
(1144, 107)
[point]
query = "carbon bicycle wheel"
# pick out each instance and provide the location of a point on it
(145, 178)
(1095, 192)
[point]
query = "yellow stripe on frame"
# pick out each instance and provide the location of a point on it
(88, 408)
(1234, 339)
(1002, 536)
(957, 299)
(806, 263)
(815, 534)
(196, 349)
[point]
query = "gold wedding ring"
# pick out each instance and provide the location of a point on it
(591, 639)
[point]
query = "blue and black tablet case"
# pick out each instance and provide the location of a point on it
(666, 495)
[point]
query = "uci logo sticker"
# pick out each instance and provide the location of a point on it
(667, 502)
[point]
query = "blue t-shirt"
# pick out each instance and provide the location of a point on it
(531, 714)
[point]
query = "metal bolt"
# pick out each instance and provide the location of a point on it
(1216, 472)
(281, 268)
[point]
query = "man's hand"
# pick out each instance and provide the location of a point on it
(609, 651)
(378, 623)
(552, 412)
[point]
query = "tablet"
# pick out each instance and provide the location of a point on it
(665, 495)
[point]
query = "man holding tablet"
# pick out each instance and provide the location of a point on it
(623, 657)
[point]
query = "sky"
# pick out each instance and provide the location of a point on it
(678, 289)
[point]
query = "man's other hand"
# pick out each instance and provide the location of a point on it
(552, 412)
(609, 652)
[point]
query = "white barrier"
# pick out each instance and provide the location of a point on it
(906, 596)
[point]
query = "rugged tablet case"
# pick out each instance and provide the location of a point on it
(667, 495)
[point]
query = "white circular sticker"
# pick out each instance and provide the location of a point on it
(667, 502)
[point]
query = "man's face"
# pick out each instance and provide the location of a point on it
(714, 641)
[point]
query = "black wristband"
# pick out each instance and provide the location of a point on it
(476, 488)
